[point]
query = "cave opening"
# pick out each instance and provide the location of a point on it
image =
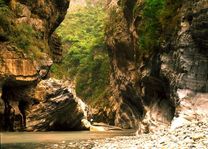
(15, 102)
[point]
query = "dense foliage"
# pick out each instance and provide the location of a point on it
(85, 59)
(159, 21)
(151, 25)
(20, 35)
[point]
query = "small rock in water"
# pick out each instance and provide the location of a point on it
(63, 142)
(55, 145)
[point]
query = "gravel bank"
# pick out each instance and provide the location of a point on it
(193, 136)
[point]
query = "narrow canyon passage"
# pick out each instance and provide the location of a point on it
(137, 69)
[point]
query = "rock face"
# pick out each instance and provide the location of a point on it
(126, 101)
(191, 63)
(55, 108)
(25, 29)
(56, 48)
(151, 88)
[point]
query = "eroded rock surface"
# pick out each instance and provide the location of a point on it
(151, 88)
(188, 64)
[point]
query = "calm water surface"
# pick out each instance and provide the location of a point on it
(79, 139)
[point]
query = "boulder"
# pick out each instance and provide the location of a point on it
(103, 127)
(56, 109)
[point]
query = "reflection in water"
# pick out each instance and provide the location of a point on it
(33, 140)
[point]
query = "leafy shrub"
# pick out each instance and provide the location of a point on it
(24, 37)
(169, 18)
(5, 17)
(2, 3)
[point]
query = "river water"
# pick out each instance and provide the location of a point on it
(57, 140)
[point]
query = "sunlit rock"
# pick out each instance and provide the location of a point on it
(97, 128)
(103, 127)
(86, 123)
(179, 122)
(193, 107)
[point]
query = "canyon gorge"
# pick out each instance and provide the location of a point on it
(158, 61)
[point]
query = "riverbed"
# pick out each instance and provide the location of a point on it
(48, 140)
(189, 136)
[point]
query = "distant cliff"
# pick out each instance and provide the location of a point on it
(159, 61)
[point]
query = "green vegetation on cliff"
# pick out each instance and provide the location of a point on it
(150, 29)
(159, 22)
(20, 35)
(5, 20)
(85, 57)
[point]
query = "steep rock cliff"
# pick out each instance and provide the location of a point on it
(154, 85)
(26, 27)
